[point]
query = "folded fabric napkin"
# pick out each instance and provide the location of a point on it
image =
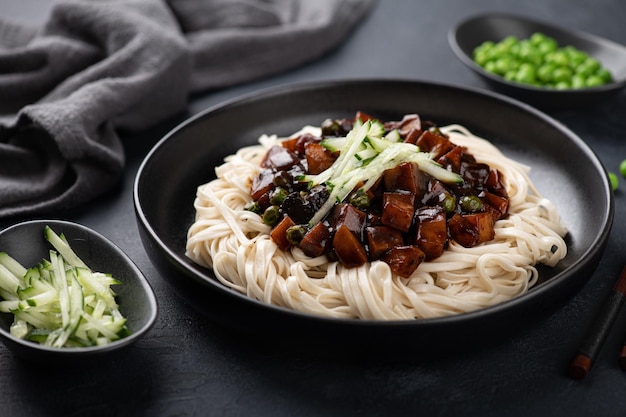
(99, 66)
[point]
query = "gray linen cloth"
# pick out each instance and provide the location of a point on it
(96, 67)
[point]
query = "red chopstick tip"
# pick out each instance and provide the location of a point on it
(580, 366)
(620, 285)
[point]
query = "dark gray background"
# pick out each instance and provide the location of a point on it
(187, 366)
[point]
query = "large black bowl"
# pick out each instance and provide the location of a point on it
(473, 31)
(564, 169)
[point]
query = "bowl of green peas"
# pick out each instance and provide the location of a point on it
(542, 64)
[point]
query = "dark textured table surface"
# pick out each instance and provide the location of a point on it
(188, 366)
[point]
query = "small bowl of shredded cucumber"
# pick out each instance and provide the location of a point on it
(547, 66)
(67, 291)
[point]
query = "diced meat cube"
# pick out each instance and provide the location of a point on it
(398, 210)
(452, 159)
(436, 144)
(381, 239)
(315, 241)
(362, 116)
(279, 158)
(336, 127)
(279, 232)
(439, 195)
(495, 183)
(501, 204)
(404, 260)
(471, 229)
(431, 230)
(348, 248)
(406, 177)
(318, 158)
(262, 184)
(347, 215)
(412, 136)
(475, 173)
(408, 123)
(298, 143)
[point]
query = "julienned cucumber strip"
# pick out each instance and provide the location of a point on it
(12, 265)
(61, 245)
(61, 302)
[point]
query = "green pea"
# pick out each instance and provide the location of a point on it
(482, 57)
(605, 74)
(294, 234)
(487, 45)
(502, 48)
(483, 53)
(558, 58)
(622, 168)
(506, 64)
(614, 181)
(491, 67)
(510, 75)
(578, 81)
(526, 74)
(271, 215)
(575, 56)
(544, 72)
(525, 43)
(531, 56)
(561, 74)
(592, 63)
(522, 49)
(510, 41)
(547, 46)
(594, 81)
(563, 85)
(583, 70)
(278, 195)
(537, 38)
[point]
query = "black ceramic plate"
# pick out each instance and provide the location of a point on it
(470, 33)
(564, 168)
(25, 242)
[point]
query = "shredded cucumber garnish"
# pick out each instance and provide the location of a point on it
(61, 302)
(365, 153)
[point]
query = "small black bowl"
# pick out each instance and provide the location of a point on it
(26, 243)
(470, 33)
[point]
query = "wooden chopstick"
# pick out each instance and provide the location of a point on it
(599, 330)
